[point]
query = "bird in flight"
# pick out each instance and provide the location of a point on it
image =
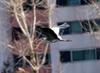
(50, 34)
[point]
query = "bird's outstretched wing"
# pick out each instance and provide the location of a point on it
(47, 33)
(64, 25)
(51, 34)
(57, 31)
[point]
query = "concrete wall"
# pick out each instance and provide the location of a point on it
(4, 36)
(73, 67)
(74, 13)
(79, 42)
(85, 40)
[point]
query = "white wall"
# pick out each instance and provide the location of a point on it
(85, 40)
(4, 36)
(79, 41)
(73, 67)
(73, 13)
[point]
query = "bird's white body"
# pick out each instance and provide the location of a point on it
(57, 30)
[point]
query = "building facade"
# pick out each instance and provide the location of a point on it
(82, 54)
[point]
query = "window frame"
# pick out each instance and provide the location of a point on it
(80, 3)
(95, 26)
(86, 52)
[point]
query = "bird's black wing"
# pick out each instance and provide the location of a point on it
(47, 33)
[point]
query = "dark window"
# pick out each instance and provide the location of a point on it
(97, 24)
(41, 4)
(83, 55)
(80, 55)
(17, 61)
(85, 26)
(67, 2)
(16, 33)
(74, 2)
(61, 2)
(98, 53)
(48, 59)
(88, 26)
(27, 5)
(84, 2)
(74, 27)
(65, 56)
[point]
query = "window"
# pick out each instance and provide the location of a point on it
(41, 4)
(80, 26)
(98, 53)
(79, 55)
(67, 2)
(61, 2)
(88, 26)
(27, 5)
(16, 33)
(74, 27)
(19, 61)
(83, 55)
(85, 26)
(64, 31)
(74, 2)
(84, 2)
(16, 60)
(48, 59)
(65, 56)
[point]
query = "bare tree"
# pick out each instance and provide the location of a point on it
(28, 44)
(92, 23)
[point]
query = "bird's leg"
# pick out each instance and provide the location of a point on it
(66, 40)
